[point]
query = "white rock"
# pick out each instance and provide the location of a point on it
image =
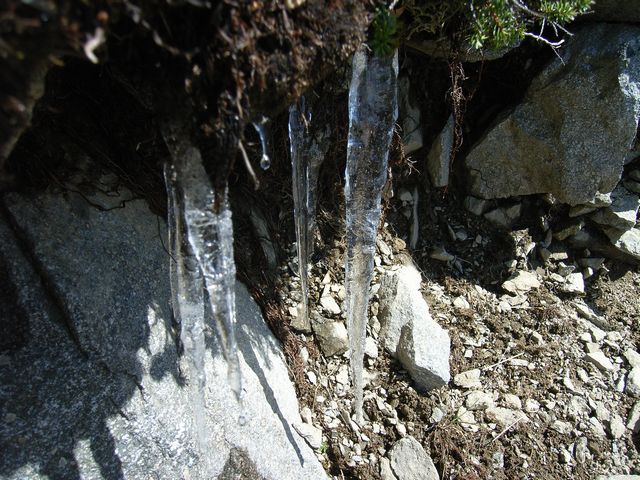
(439, 253)
(468, 379)
(311, 434)
(521, 282)
(633, 419)
(505, 416)
(461, 303)
(561, 427)
(531, 405)
(409, 461)
(477, 400)
(616, 426)
(632, 357)
(370, 348)
(512, 401)
(329, 304)
(439, 156)
(424, 349)
(600, 360)
(574, 283)
(633, 382)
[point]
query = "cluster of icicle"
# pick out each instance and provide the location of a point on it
(201, 234)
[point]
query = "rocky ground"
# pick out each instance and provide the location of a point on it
(544, 374)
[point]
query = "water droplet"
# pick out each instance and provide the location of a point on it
(265, 162)
(261, 128)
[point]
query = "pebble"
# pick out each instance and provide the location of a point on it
(600, 360)
(439, 253)
(468, 379)
(505, 416)
(409, 461)
(521, 282)
(478, 400)
(574, 283)
(329, 304)
(633, 419)
(531, 405)
(313, 378)
(563, 428)
(512, 401)
(616, 426)
(632, 357)
(311, 434)
(370, 348)
(461, 303)
(633, 382)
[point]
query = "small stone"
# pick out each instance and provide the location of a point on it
(616, 426)
(468, 379)
(466, 417)
(521, 282)
(311, 434)
(574, 283)
(512, 401)
(591, 347)
(531, 405)
(312, 377)
(600, 360)
(581, 450)
(565, 456)
(409, 461)
(477, 400)
(332, 336)
(461, 303)
(437, 414)
(343, 375)
(596, 427)
(633, 419)
(477, 206)
(563, 428)
(329, 304)
(632, 357)
(306, 415)
(370, 348)
(505, 417)
(504, 217)
(439, 253)
(401, 429)
(633, 382)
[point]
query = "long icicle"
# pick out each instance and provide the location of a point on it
(187, 302)
(372, 115)
(300, 178)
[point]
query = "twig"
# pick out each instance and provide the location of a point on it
(247, 164)
(505, 430)
(540, 38)
(502, 361)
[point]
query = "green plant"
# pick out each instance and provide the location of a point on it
(494, 24)
(384, 34)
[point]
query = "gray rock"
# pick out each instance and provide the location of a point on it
(505, 216)
(409, 117)
(633, 419)
(632, 186)
(439, 253)
(95, 385)
(567, 231)
(423, 350)
(329, 305)
(616, 426)
(627, 242)
(439, 156)
(332, 336)
(409, 461)
(477, 206)
(385, 470)
(622, 213)
(562, 139)
(311, 434)
(632, 357)
(400, 303)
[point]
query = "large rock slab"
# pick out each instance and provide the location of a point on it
(570, 135)
(94, 389)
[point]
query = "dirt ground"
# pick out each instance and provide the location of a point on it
(531, 356)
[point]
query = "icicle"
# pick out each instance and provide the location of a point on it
(210, 238)
(261, 128)
(372, 114)
(187, 301)
(300, 177)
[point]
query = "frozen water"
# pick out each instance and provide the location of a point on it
(372, 115)
(261, 128)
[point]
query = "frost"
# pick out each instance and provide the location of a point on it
(372, 115)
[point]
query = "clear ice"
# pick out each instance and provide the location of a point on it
(187, 300)
(372, 115)
(308, 148)
(261, 128)
(201, 244)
